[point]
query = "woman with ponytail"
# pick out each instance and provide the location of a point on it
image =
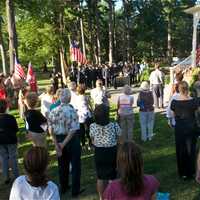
(35, 184)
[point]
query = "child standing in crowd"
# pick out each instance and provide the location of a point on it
(125, 113)
(35, 185)
(145, 102)
(84, 111)
(36, 123)
(133, 183)
(8, 141)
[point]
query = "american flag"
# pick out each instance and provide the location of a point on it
(18, 71)
(76, 54)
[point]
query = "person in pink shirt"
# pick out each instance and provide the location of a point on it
(133, 183)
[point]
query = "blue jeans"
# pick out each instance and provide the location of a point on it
(127, 124)
(147, 124)
(8, 153)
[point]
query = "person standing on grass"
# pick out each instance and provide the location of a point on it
(184, 108)
(125, 113)
(36, 123)
(99, 94)
(64, 127)
(105, 136)
(8, 142)
(145, 103)
(133, 183)
(84, 111)
(35, 184)
(157, 85)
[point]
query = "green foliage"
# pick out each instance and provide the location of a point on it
(145, 75)
(38, 41)
(195, 73)
(40, 35)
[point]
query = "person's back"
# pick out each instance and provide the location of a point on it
(35, 185)
(133, 184)
(125, 104)
(146, 101)
(22, 189)
(8, 129)
(116, 191)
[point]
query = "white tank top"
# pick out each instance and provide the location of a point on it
(125, 105)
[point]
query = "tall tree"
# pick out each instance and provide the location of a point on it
(98, 32)
(2, 49)
(110, 25)
(127, 15)
(12, 32)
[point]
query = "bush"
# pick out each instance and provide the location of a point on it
(194, 78)
(145, 75)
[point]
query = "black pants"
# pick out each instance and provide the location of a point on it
(70, 154)
(185, 148)
(84, 131)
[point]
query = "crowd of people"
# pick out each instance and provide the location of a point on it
(77, 121)
(89, 74)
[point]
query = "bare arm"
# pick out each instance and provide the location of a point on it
(58, 150)
(67, 139)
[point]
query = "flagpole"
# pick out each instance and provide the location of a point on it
(62, 66)
(82, 32)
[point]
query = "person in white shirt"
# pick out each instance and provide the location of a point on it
(47, 99)
(73, 89)
(35, 184)
(157, 85)
(99, 95)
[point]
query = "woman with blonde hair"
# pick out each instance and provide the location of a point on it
(184, 108)
(125, 113)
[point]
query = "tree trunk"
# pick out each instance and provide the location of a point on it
(127, 29)
(12, 33)
(93, 54)
(97, 32)
(82, 31)
(63, 62)
(3, 55)
(110, 25)
(169, 39)
(114, 35)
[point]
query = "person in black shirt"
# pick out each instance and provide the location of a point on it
(8, 141)
(184, 108)
(36, 123)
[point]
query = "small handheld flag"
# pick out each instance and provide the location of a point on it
(31, 78)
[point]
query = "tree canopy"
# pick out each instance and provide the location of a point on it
(153, 29)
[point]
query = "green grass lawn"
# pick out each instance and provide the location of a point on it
(159, 160)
